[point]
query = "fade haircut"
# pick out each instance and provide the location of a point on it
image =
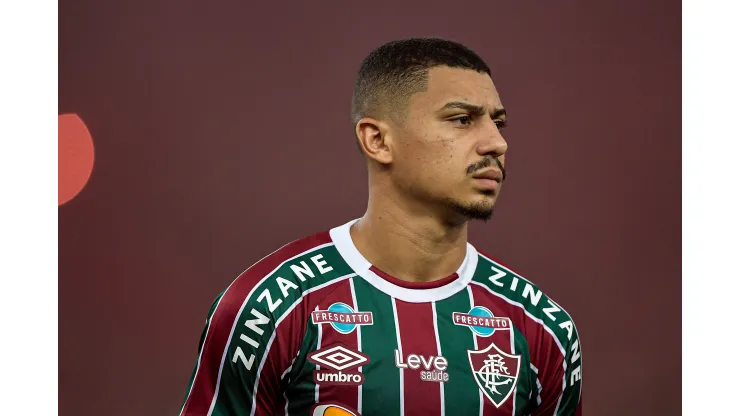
(393, 72)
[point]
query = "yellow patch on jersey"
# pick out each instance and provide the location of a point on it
(331, 410)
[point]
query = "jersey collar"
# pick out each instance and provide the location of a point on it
(343, 242)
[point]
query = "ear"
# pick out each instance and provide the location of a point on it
(374, 139)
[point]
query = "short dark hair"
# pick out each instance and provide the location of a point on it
(393, 72)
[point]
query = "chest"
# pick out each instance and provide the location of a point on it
(388, 357)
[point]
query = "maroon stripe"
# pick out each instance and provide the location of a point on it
(416, 326)
(204, 385)
(551, 379)
(414, 285)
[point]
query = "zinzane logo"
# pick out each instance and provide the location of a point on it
(342, 317)
(434, 367)
(258, 329)
(343, 365)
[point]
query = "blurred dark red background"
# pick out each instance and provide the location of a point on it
(222, 131)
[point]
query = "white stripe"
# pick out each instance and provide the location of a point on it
(400, 350)
(475, 347)
(318, 347)
(290, 367)
(536, 371)
(539, 385)
(359, 344)
(210, 319)
(286, 404)
(274, 332)
(565, 372)
(282, 376)
(513, 395)
(439, 353)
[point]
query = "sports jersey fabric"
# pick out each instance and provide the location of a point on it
(315, 329)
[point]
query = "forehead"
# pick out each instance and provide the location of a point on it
(447, 84)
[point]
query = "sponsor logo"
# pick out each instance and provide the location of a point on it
(433, 367)
(342, 317)
(341, 363)
(495, 372)
(481, 321)
(331, 410)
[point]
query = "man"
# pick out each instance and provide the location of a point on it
(395, 313)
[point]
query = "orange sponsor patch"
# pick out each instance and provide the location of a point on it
(332, 410)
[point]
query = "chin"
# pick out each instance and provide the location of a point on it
(477, 209)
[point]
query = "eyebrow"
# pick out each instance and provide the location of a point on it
(474, 109)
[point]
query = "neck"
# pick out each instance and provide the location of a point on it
(408, 243)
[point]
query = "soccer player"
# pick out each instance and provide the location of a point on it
(395, 313)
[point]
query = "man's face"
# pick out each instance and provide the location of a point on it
(449, 139)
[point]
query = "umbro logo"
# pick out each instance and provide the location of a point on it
(342, 364)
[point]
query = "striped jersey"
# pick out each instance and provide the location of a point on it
(315, 329)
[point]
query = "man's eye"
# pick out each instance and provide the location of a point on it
(499, 123)
(464, 120)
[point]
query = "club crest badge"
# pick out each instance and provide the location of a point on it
(495, 372)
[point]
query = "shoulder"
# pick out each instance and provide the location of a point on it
(284, 275)
(521, 293)
(272, 299)
(553, 338)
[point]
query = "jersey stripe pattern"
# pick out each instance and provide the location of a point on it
(315, 329)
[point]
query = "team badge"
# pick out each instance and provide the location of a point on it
(481, 321)
(342, 317)
(495, 372)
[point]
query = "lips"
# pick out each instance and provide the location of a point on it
(493, 175)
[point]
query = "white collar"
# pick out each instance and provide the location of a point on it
(347, 249)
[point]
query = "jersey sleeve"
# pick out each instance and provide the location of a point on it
(560, 375)
(240, 361)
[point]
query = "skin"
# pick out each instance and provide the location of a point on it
(422, 193)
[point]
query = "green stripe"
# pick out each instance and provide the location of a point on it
(461, 391)
(381, 393)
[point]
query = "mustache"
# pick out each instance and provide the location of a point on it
(485, 163)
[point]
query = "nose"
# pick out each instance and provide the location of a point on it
(491, 142)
